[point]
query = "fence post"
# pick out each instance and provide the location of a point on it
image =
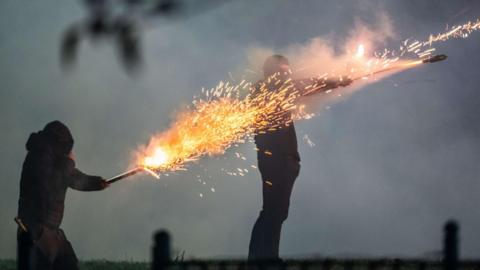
(397, 264)
(450, 245)
(349, 265)
(327, 264)
(161, 250)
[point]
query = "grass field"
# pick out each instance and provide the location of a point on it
(91, 265)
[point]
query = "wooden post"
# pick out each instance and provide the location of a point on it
(373, 265)
(450, 246)
(396, 264)
(348, 265)
(327, 264)
(422, 265)
(161, 250)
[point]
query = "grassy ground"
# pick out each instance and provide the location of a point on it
(7, 265)
(91, 265)
(108, 265)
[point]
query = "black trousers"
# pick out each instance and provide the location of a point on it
(278, 177)
(31, 257)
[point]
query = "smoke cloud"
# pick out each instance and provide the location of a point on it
(331, 56)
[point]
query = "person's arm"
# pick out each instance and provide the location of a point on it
(84, 182)
(312, 86)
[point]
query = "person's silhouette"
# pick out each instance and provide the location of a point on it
(48, 170)
(278, 158)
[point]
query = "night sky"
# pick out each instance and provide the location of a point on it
(390, 164)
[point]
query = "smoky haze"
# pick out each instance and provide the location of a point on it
(390, 164)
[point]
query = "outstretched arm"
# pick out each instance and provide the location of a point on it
(313, 85)
(84, 182)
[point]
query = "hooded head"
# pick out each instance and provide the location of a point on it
(59, 136)
(55, 135)
(276, 64)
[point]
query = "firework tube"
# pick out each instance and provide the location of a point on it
(435, 58)
(124, 175)
(132, 172)
(431, 59)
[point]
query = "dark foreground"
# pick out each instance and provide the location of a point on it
(323, 264)
(92, 265)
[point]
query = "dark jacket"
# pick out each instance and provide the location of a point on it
(280, 143)
(47, 173)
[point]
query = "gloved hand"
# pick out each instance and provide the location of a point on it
(104, 184)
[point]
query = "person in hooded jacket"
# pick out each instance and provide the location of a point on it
(48, 171)
(277, 155)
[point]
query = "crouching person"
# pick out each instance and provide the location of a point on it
(48, 170)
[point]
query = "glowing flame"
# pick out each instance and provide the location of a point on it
(360, 51)
(157, 159)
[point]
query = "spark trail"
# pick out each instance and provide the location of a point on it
(217, 121)
(223, 116)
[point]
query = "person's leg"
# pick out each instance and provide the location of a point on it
(278, 179)
(276, 209)
(266, 227)
(256, 240)
(67, 259)
(28, 255)
(40, 261)
(24, 250)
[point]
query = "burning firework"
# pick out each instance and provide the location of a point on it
(215, 123)
(224, 116)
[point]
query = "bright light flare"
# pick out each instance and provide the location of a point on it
(360, 51)
(157, 159)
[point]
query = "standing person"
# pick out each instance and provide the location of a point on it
(278, 160)
(48, 170)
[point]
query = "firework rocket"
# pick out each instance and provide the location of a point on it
(436, 58)
(429, 60)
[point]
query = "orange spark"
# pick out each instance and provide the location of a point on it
(215, 123)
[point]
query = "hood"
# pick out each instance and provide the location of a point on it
(55, 135)
(36, 143)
